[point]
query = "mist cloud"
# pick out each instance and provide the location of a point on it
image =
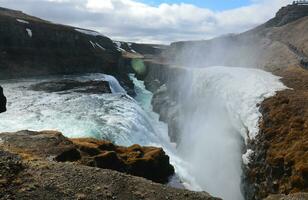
(131, 20)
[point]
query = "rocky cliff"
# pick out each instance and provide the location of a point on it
(288, 14)
(279, 164)
(30, 46)
(2, 101)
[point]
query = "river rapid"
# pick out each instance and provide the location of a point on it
(220, 114)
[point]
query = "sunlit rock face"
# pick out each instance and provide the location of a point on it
(2, 101)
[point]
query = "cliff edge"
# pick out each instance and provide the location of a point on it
(47, 165)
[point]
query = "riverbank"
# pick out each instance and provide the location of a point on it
(279, 164)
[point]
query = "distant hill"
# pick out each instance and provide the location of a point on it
(280, 42)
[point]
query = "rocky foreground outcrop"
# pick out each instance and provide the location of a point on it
(2, 101)
(148, 162)
(47, 165)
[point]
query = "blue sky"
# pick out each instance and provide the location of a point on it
(217, 5)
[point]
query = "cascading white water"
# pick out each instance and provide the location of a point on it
(219, 113)
(116, 117)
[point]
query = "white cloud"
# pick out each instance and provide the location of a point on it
(98, 5)
(134, 21)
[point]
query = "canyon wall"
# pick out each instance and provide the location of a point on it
(279, 46)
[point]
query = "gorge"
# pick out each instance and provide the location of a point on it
(211, 114)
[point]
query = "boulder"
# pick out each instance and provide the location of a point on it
(2, 101)
(148, 162)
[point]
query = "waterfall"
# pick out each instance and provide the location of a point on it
(115, 86)
(219, 113)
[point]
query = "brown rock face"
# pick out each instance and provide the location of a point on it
(2, 101)
(297, 196)
(148, 162)
(280, 163)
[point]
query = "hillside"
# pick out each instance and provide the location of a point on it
(31, 46)
(281, 42)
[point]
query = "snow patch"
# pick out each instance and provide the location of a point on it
(130, 47)
(88, 32)
(93, 45)
(22, 21)
(29, 32)
(100, 46)
(118, 45)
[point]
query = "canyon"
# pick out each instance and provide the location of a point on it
(277, 166)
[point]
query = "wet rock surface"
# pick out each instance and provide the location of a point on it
(29, 170)
(2, 101)
(96, 87)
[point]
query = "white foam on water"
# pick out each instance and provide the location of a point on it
(116, 116)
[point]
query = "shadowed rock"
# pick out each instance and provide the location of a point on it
(94, 87)
(2, 101)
